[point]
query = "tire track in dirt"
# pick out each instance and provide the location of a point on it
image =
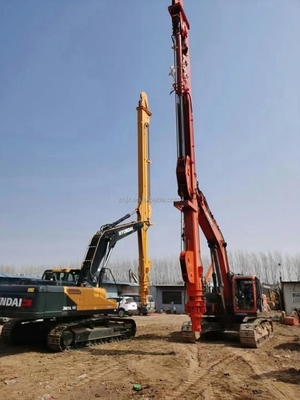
(278, 390)
(198, 377)
(111, 369)
(126, 358)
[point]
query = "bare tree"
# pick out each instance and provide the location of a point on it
(268, 266)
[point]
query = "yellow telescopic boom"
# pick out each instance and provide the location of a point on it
(144, 200)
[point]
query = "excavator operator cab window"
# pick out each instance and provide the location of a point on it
(70, 277)
(244, 296)
(52, 276)
(48, 276)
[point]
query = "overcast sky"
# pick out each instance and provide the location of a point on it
(70, 77)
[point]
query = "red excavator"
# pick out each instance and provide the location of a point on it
(235, 304)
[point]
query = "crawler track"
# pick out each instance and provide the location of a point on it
(17, 331)
(252, 334)
(68, 335)
(255, 333)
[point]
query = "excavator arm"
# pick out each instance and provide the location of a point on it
(144, 201)
(217, 246)
(100, 249)
(193, 204)
(237, 300)
(190, 256)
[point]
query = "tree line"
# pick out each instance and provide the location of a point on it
(268, 266)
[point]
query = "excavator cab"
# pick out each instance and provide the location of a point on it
(246, 295)
(67, 276)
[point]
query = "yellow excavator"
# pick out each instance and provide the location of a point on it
(72, 313)
(143, 211)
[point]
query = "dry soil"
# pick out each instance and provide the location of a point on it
(165, 369)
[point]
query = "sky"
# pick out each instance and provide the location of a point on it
(70, 77)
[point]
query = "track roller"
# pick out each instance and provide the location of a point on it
(254, 333)
(90, 332)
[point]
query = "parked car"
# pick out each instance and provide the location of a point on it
(150, 304)
(126, 306)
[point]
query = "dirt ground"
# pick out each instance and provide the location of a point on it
(165, 369)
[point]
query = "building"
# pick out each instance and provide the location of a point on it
(6, 279)
(169, 297)
(125, 288)
(290, 296)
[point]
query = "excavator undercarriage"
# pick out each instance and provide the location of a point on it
(251, 332)
(62, 335)
(255, 331)
(61, 317)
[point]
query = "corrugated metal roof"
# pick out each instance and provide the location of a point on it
(169, 285)
(18, 276)
(121, 283)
